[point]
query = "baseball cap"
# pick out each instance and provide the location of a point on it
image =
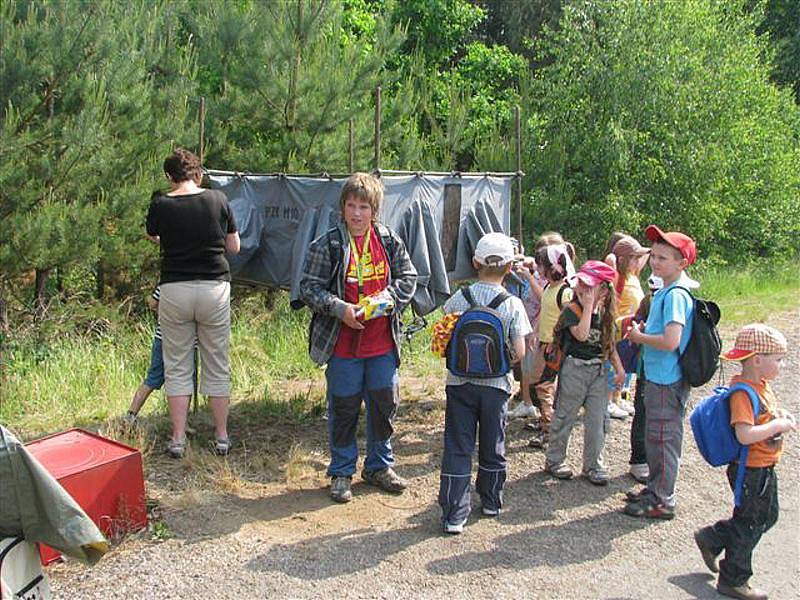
(494, 249)
(627, 246)
(756, 338)
(594, 272)
(680, 241)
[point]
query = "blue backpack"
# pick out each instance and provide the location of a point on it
(716, 438)
(479, 343)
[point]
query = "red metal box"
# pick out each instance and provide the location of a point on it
(103, 476)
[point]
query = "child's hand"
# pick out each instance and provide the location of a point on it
(635, 333)
(587, 297)
(350, 318)
(788, 423)
(619, 379)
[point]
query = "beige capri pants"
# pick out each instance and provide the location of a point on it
(203, 309)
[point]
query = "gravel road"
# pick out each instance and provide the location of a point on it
(553, 539)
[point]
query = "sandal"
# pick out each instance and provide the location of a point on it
(222, 447)
(176, 448)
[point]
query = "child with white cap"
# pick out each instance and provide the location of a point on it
(478, 404)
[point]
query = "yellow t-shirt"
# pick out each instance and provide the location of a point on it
(550, 311)
(631, 296)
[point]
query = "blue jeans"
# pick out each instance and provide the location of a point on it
(469, 408)
(155, 374)
(351, 380)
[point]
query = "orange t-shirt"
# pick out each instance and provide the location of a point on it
(766, 452)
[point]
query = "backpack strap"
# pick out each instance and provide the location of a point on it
(738, 486)
(465, 291)
(560, 295)
(498, 300)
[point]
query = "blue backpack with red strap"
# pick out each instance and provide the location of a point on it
(714, 434)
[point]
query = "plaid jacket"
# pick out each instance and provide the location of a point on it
(322, 286)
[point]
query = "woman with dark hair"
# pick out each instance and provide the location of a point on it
(195, 227)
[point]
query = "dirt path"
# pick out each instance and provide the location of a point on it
(254, 539)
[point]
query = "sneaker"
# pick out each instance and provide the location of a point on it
(539, 440)
(222, 447)
(743, 592)
(708, 555)
(176, 448)
(615, 412)
(490, 512)
(386, 479)
(129, 418)
(559, 471)
(636, 496)
(640, 472)
(453, 528)
(340, 489)
(597, 476)
(627, 407)
(645, 507)
(522, 411)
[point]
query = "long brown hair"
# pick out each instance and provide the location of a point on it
(608, 317)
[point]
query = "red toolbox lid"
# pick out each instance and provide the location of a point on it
(76, 450)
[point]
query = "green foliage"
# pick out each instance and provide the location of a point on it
(663, 112)
(782, 23)
(632, 112)
(89, 93)
(437, 29)
(284, 82)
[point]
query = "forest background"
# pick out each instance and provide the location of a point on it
(681, 113)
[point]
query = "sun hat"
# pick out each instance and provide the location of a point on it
(756, 338)
(680, 241)
(627, 246)
(494, 249)
(594, 272)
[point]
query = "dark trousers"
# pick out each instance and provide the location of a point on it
(469, 408)
(638, 429)
(740, 534)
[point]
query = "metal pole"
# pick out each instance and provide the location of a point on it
(377, 128)
(518, 129)
(201, 117)
(352, 160)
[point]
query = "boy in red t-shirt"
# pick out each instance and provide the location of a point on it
(761, 350)
(345, 268)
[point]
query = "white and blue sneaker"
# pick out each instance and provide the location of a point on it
(453, 528)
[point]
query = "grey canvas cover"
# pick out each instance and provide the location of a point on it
(33, 505)
(440, 217)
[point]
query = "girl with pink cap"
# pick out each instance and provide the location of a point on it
(585, 332)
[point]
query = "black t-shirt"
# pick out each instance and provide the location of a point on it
(587, 350)
(192, 229)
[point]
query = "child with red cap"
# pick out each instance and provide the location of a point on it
(585, 331)
(761, 350)
(663, 339)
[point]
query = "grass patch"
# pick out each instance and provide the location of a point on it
(81, 365)
(752, 293)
